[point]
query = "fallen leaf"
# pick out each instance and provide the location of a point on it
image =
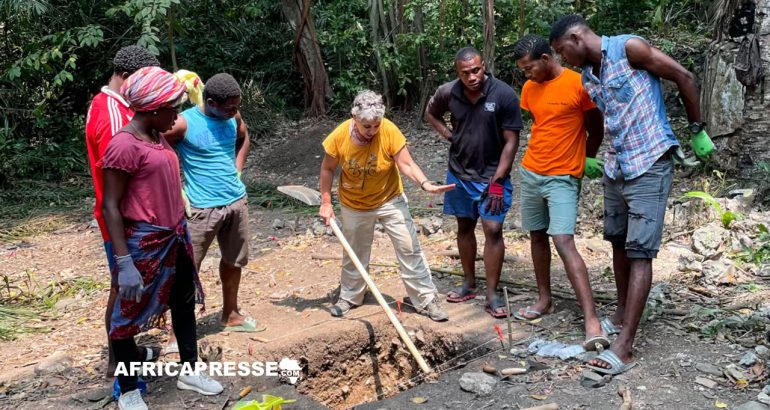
(538, 396)
(720, 405)
(419, 400)
(745, 311)
(502, 356)
(536, 321)
(741, 384)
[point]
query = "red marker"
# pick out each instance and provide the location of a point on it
(500, 335)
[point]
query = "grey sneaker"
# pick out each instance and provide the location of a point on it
(341, 308)
(434, 311)
(131, 401)
(201, 383)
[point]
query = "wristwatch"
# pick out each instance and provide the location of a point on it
(696, 127)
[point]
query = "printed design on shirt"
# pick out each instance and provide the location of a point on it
(489, 107)
(360, 171)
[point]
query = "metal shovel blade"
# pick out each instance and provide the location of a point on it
(302, 194)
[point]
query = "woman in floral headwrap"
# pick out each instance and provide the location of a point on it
(144, 212)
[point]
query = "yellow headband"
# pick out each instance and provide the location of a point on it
(193, 84)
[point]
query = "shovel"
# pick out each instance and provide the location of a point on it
(313, 198)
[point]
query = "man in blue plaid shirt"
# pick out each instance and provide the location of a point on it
(622, 76)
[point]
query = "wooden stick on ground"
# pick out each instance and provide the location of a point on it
(625, 393)
(604, 297)
(549, 406)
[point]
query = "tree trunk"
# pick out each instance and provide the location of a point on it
(426, 81)
(441, 19)
(488, 8)
(376, 19)
(522, 16)
(736, 116)
(171, 46)
(307, 55)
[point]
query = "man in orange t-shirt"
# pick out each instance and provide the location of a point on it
(551, 172)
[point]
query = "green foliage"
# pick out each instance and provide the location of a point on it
(55, 55)
(760, 253)
(149, 15)
(725, 216)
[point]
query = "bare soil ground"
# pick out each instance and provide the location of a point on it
(357, 360)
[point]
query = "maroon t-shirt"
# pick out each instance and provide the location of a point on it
(154, 191)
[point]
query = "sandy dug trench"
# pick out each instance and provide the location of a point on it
(342, 370)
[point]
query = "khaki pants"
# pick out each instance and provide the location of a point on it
(358, 227)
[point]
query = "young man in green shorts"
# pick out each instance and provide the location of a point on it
(551, 172)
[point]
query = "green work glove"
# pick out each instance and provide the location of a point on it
(702, 145)
(593, 168)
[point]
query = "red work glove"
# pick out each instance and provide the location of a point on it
(494, 196)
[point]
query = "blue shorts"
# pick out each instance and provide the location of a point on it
(465, 200)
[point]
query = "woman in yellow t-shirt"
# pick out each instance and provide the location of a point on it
(372, 153)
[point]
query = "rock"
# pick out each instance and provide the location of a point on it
(55, 363)
(478, 383)
(378, 227)
(519, 352)
(763, 398)
(94, 224)
(766, 389)
(690, 261)
(744, 197)
(705, 382)
(764, 270)
(740, 241)
(708, 240)
(762, 352)
(749, 359)
(733, 372)
(98, 394)
(720, 272)
(709, 369)
(593, 380)
(752, 405)
(319, 228)
(278, 223)
(685, 360)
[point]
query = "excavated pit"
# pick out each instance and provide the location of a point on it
(364, 365)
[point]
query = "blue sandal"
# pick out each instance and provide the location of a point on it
(609, 357)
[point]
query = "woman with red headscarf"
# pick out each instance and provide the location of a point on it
(144, 213)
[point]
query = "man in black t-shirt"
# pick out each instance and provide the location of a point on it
(486, 120)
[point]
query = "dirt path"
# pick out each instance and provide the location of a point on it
(356, 360)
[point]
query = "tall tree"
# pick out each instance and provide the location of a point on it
(307, 55)
(488, 8)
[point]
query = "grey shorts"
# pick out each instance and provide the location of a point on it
(229, 224)
(634, 210)
(549, 202)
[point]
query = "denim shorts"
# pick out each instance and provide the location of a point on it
(549, 202)
(634, 210)
(465, 200)
(108, 250)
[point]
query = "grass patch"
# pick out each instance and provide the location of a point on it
(29, 207)
(24, 301)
